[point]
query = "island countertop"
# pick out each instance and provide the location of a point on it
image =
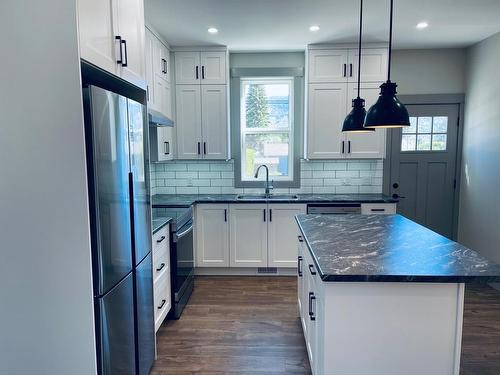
(380, 248)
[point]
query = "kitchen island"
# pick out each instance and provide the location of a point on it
(380, 294)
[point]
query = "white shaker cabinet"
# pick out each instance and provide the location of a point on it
(213, 68)
(111, 36)
(282, 234)
(212, 235)
(161, 146)
(328, 65)
(373, 64)
(161, 275)
(214, 121)
(188, 121)
(326, 113)
(206, 68)
(248, 235)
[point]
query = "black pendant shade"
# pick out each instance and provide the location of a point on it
(388, 111)
(355, 119)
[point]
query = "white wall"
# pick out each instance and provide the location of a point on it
(479, 219)
(429, 71)
(46, 314)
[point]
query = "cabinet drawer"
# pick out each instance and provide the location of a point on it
(378, 208)
(161, 238)
(162, 300)
(161, 261)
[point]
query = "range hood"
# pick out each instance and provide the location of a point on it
(156, 118)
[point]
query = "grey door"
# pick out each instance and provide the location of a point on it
(423, 163)
(140, 189)
(110, 194)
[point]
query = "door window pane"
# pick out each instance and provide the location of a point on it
(423, 142)
(413, 126)
(439, 142)
(424, 124)
(440, 124)
(408, 142)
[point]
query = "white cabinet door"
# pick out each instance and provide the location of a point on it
(213, 68)
(212, 235)
(149, 49)
(163, 96)
(214, 121)
(326, 113)
(165, 150)
(248, 235)
(282, 234)
(130, 26)
(188, 116)
(96, 34)
(366, 145)
(187, 68)
(373, 64)
(328, 65)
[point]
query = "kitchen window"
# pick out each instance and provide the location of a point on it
(266, 115)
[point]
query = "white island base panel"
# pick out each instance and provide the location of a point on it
(384, 328)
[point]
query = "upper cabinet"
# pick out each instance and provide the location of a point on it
(341, 65)
(332, 84)
(206, 68)
(111, 37)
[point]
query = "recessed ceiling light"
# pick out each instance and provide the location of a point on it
(422, 25)
(212, 30)
(314, 28)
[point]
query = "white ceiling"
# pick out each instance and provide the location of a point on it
(284, 24)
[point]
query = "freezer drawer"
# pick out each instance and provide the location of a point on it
(116, 329)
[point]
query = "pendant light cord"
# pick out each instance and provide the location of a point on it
(390, 43)
(359, 47)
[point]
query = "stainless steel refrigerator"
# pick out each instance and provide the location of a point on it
(116, 144)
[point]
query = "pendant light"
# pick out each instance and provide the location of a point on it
(355, 119)
(388, 111)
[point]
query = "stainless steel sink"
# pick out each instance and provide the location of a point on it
(277, 197)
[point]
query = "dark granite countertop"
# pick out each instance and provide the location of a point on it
(187, 200)
(159, 222)
(389, 248)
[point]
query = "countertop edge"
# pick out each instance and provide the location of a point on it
(167, 220)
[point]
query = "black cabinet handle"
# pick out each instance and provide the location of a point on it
(299, 265)
(205, 148)
(162, 304)
(301, 239)
(270, 214)
(264, 210)
(343, 146)
(161, 239)
(167, 147)
(377, 210)
(197, 74)
(203, 72)
(119, 39)
(311, 269)
(125, 63)
(161, 267)
(312, 298)
(348, 147)
(199, 148)
(345, 70)
(350, 70)
(225, 214)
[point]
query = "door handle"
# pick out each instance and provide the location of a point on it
(311, 269)
(348, 147)
(162, 304)
(225, 214)
(125, 63)
(397, 196)
(199, 148)
(270, 214)
(205, 148)
(167, 148)
(203, 72)
(197, 74)
(345, 70)
(312, 297)
(301, 239)
(119, 39)
(350, 70)
(161, 267)
(343, 147)
(264, 210)
(299, 265)
(161, 239)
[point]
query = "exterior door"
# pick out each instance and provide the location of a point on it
(248, 235)
(188, 110)
(423, 165)
(214, 121)
(212, 235)
(282, 234)
(327, 110)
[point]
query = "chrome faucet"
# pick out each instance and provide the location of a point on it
(269, 187)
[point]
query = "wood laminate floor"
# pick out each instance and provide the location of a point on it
(249, 325)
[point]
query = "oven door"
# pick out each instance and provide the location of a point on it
(184, 257)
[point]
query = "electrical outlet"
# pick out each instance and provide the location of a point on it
(190, 182)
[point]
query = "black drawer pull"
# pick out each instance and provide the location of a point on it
(312, 298)
(299, 265)
(161, 267)
(311, 269)
(378, 210)
(301, 239)
(161, 239)
(162, 304)
(125, 63)
(119, 39)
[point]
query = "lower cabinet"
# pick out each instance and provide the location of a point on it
(161, 275)
(212, 235)
(248, 235)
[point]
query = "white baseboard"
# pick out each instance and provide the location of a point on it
(224, 271)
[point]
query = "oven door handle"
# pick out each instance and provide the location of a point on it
(178, 236)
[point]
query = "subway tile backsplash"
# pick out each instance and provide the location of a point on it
(217, 177)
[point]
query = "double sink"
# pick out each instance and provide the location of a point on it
(277, 197)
